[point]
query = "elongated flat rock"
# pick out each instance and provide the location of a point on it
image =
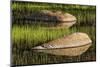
(72, 45)
(54, 18)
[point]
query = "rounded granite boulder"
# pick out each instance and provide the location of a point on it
(53, 18)
(71, 45)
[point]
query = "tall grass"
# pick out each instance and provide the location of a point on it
(29, 35)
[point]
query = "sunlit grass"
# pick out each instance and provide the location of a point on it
(32, 35)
